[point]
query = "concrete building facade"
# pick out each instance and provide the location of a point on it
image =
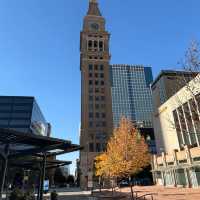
(177, 132)
(167, 83)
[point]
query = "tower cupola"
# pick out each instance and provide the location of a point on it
(93, 8)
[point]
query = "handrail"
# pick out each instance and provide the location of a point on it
(136, 194)
(143, 197)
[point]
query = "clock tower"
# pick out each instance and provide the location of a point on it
(96, 103)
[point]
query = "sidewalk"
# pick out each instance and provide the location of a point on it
(164, 193)
(107, 194)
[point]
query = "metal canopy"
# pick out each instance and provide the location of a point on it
(14, 144)
(22, 144)
(34, 164)
(12, 136)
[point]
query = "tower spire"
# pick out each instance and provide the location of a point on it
(93, 8)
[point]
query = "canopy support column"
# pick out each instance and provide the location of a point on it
(4, 169)
(42, 176)
(38, 189)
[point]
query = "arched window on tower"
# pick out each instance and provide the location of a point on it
(90, 45)
(100, 45)
(95, 44)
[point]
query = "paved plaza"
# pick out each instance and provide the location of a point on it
(74, 197)
(71, 194)
(159, 193)
(163, 193)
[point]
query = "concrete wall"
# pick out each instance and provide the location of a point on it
(165, 132)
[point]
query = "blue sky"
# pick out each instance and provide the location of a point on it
(39, 48)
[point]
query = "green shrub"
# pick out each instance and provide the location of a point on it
(54, 195)
(17, 194)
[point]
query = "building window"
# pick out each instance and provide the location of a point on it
(102, 90)
(20, 108)
(178, 129)
(91, 107)
(90, 67)
(103, 105)
(103, 124)
(98, 147)
(97, 98)
(90, 115)
(183, 126)
(90, 124)
(4, 122)
(96, 82)
(97, 124)
(23, 115)
(96, 106)
(90, 98)
(96, 75)
(91, 147)
(90, 90)
(193, 107)
(102, 82)
(101, 67)
(95, 44)
(90, 75)
(91, 136)
(96, 67)
(96, 90)
(103, 115)
(195, 117)
(102, 98)
(103, 146)
(90, 82)
(189, 124)
(97, 115)
(90, 44)
(100, 45)
(102, 75)
(198, 100)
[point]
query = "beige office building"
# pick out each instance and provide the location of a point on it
(177, 132)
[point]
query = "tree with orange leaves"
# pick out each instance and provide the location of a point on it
(126, 154)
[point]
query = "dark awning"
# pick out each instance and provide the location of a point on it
(35, 164)
(23, 144)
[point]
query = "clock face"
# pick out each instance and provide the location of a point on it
(95, 26)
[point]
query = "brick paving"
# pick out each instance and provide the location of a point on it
(164, 193)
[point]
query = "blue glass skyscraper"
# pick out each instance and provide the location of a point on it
(131, 94)
(22, 114)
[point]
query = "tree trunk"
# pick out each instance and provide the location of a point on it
(132, 195)
(99, 184)
(112, 185)
(112, 191)
(131, 185)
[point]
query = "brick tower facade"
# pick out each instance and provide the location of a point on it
(96, 106)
